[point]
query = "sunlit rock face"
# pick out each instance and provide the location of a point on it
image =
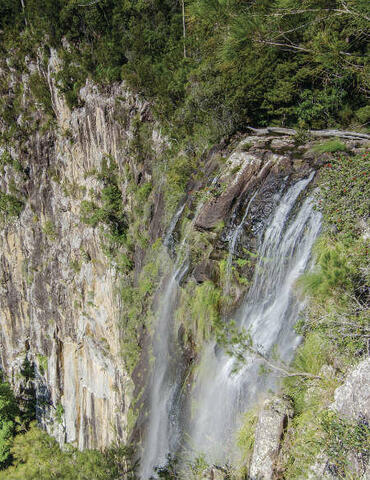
(58, 299)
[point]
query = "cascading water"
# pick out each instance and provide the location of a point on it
(163, 426)
(163, 430)
(269, 312)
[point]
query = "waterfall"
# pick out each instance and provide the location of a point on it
(168, 240)
(269, 312)
(163, 426)
(162, 436)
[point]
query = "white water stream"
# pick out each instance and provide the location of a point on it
(163, 433)
(269, 312)
(163, 430)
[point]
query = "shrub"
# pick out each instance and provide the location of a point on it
(41, 91)
(37, 455)
(10, 206)
(246, 434)
(344, 439)
(49, 230)
(8, 413)
(332, 270)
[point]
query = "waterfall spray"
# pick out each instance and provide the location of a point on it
(269, 312)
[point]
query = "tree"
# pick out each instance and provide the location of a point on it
(8, 414)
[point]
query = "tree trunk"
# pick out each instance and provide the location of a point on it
(24, 13)
(314, 133)
(184, 26)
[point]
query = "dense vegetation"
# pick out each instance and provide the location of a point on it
(232, 63)
(36, 455)
(28, 453)
(335, 327)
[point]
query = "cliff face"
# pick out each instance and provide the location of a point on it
(59, 304)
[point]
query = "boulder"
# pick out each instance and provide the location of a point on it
(282, 144)
(206, 270)
(269, 431)
(352, 399)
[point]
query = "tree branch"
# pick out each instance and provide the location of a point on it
(94, 2)
(284, 371)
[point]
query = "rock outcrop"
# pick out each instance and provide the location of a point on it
(351, 402)
(59, 302)
(352, 399)
(270, 427)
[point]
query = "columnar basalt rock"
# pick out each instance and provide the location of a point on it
(58, 299)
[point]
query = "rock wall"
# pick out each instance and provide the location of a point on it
(58, 300)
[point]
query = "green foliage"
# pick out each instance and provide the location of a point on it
(111, 210)
(245, 63)
(343, 440)
(10, 206)
(333, 270)
(363, 114)
(90, 213)
(41, 91)
(37, 455)
(205, 308)
(59, 412)
(345, 193)
(199, 310)
(7, 159)
(246, 434)
(49, 230)
(136, 303)
(75, 265)
(108, 212)
(330, 146)
(311, 356)
(8, 413)
(43, 363)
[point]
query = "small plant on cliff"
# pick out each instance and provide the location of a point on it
(59, 412)
(49, 230)
(10, 206)
(42, 363)
(246, 435)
